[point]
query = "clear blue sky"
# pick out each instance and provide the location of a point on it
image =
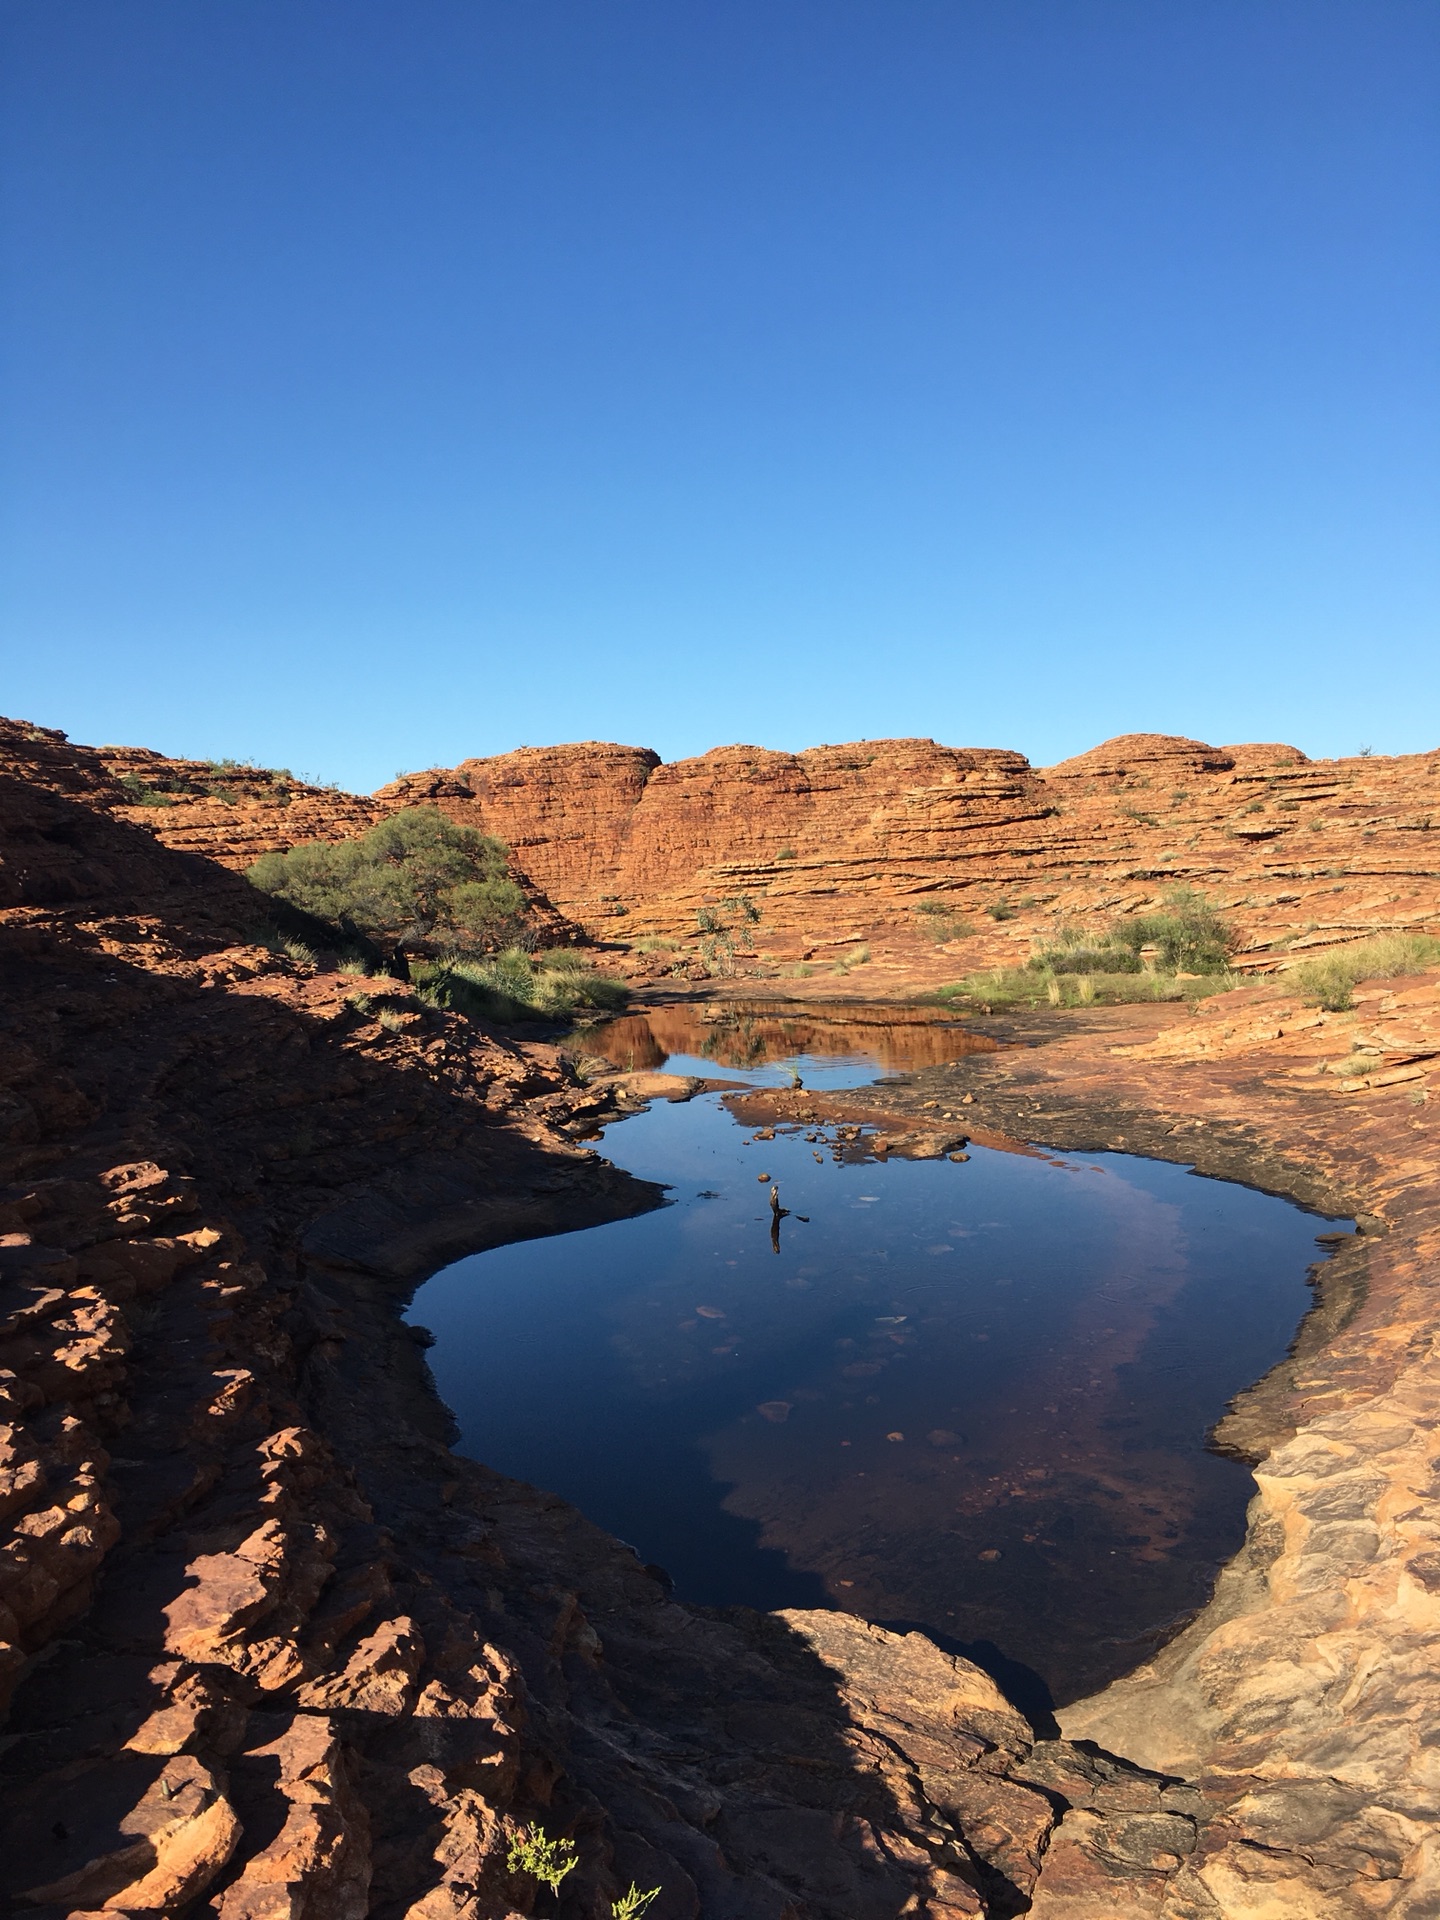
(388, 383)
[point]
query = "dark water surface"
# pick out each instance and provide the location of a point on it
(972, 1398)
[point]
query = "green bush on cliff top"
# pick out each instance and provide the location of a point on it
(416, 880)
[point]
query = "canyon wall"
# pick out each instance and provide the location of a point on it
(846, 843)
(838, 845)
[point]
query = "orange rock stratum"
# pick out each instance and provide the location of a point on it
(270, 1648)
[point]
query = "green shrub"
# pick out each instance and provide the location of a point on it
(1075, 952)
(140, 795)
(741, 905)
(543, 1859)
(1329, 980)
(515, 985)
(416, 879)
(1000, 910)
(1190, 934)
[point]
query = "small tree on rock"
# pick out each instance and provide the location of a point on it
(417, 880)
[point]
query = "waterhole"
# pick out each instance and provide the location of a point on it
(967, 1396)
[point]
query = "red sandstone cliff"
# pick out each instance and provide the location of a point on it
(844, 843)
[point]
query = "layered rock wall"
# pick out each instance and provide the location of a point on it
(885, 841)
(847, 843)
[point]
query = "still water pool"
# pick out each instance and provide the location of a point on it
(969, 1397)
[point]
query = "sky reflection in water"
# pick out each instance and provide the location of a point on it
(968, 1397)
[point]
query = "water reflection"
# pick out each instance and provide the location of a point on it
(836, 1047)
(971, 1396)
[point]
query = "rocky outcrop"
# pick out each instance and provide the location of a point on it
(273, 1649)
(233, 813)
(269, 1646)
(899, 843)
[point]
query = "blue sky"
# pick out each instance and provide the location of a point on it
(388, 384)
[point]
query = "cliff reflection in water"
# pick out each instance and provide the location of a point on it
(744, 1035)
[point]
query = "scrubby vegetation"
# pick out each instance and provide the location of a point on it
(416, 880)
(1076, 951)
(1188, 945)
(1190, 935)
(515, 985)
(1330, 980)
(718, 926)
(942, 923)
(139, 794)
(544, 1859)
(1030, 987)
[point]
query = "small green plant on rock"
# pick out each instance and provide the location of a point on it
(139, 795)
(632, 1904)
(1000, 910)
(544, 1859)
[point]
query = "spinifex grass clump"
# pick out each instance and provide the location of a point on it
(515, 985)
(1073, 951)
(1147, 956)
(1188, 945)
(942, 923)
(1005, 987)
(1330, 981)
(416, 880)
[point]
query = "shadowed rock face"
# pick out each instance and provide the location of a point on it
(274, 1649)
